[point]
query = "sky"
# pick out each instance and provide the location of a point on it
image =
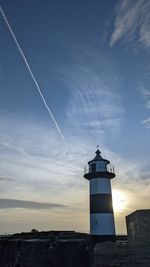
(90, 60)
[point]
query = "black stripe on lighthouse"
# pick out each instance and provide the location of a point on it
(101, 203)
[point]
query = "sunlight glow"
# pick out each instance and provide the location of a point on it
(119, 201)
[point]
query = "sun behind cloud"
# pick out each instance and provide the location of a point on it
(119, 201)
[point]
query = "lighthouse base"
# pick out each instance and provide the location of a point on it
(95, 239)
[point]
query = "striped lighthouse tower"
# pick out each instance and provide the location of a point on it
(102, 227)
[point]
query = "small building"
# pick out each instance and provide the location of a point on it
(138, 225)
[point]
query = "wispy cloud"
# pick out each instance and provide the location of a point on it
(146, 96)
(6, 179)
(39, 163)
(95, 102)
(132, 22)
(131, 177)
(15, 203)
(146, 122)
(3, 146)
(45, 173)
(145, 92)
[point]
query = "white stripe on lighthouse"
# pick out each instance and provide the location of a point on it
(102, 224)
(100, 186)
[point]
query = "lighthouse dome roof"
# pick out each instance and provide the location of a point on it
(98, 157)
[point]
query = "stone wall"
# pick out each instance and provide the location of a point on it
(109, 254)
(138, 225)
(42, 253)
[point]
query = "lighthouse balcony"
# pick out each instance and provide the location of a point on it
(94, 172)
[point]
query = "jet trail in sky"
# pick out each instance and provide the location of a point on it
(34, 79)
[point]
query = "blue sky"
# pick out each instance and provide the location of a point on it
(91, 61)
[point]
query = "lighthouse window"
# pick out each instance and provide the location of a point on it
(93, 167)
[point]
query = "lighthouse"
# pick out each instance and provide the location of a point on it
(100, 173)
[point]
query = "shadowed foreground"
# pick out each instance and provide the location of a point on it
(133, 254)
(70, 249)
(55, 250)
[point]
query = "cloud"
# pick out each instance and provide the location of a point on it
(148, 104)
(145, 92)
(146, 95)
(3, 146)
(146, 122)
(43, 171)
(95, 103)
(15, 203)
(131, 181)
(38, 162)
(6, 179)
(132, 22)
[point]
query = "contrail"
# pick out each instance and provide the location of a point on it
(34, 79)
